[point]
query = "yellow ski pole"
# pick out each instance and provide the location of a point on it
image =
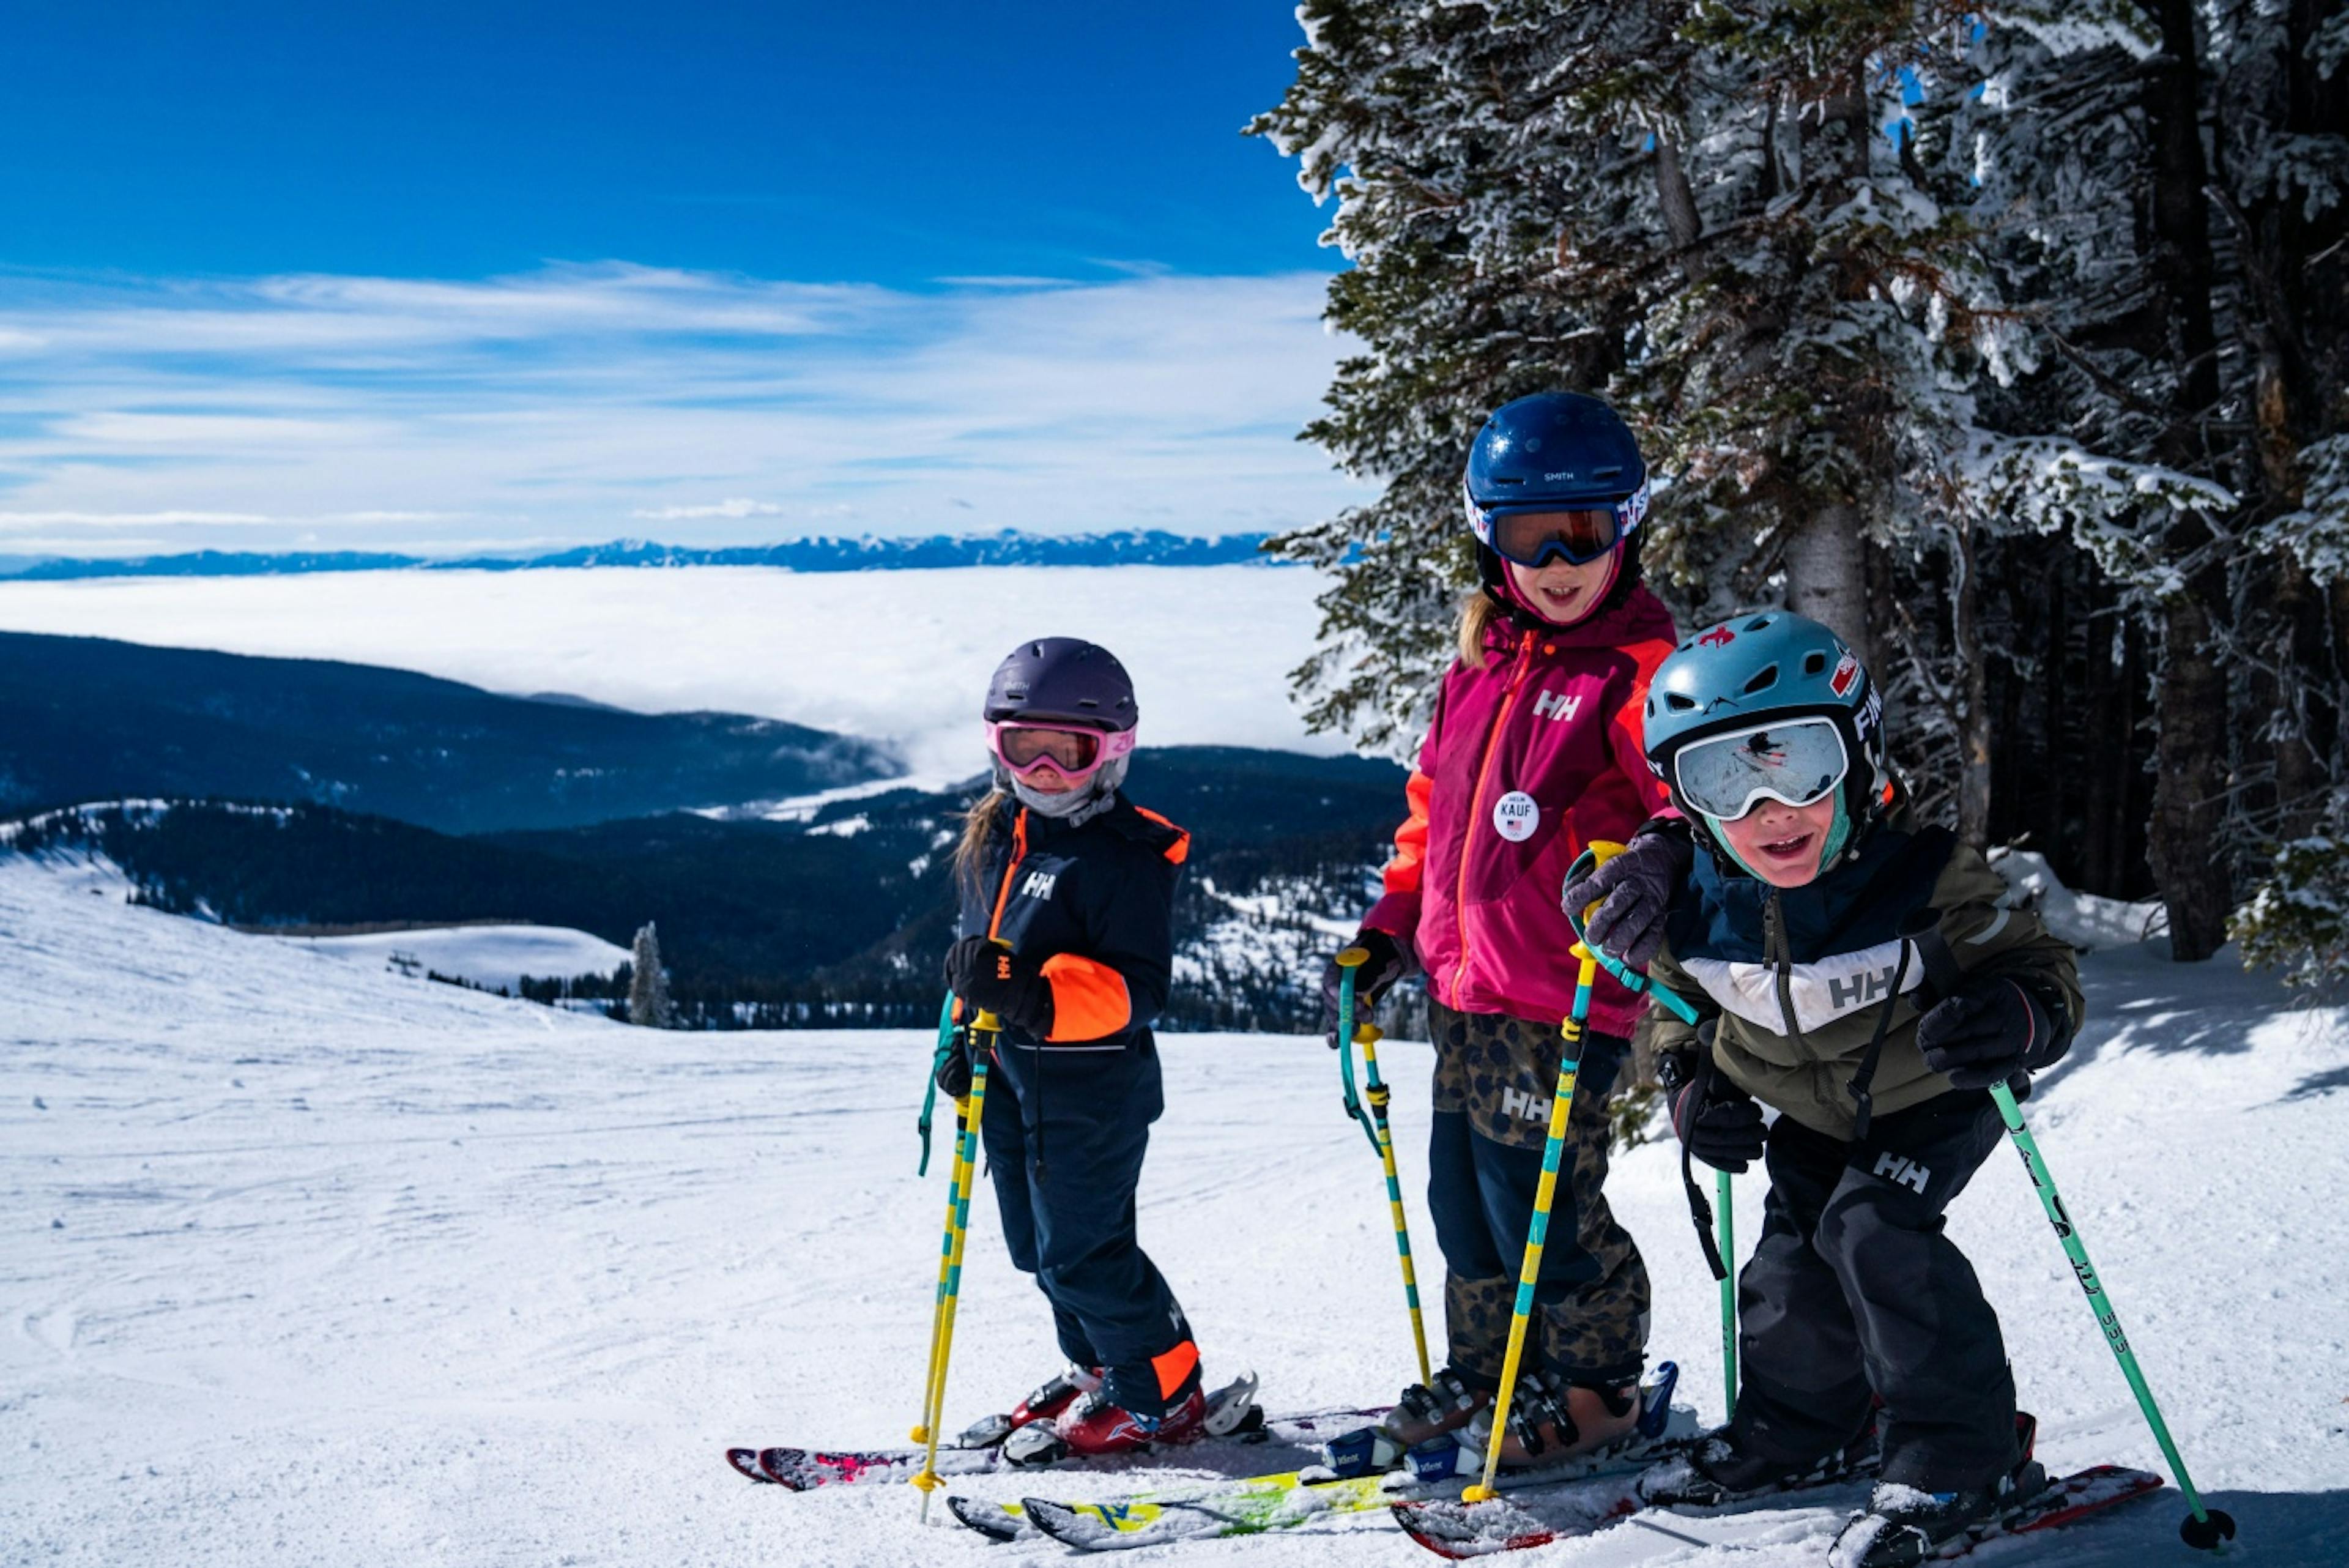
(984, 1030)
(1561, 1107)
(1368, 1035)
(945, 1258)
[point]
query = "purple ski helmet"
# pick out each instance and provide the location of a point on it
(1062, 681)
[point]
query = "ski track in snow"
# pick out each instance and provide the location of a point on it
(356, 1269)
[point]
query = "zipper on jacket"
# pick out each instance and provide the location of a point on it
(1476, 803)
(1011, 864)
(1777, 951)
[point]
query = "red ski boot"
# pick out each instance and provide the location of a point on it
(1093, 1426)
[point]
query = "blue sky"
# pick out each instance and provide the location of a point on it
(457, 277)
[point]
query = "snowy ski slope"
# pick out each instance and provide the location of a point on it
(305, 1264)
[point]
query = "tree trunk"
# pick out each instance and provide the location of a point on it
(2188, 795)
(2190, 694)
(1827, 578)
(1973, 695)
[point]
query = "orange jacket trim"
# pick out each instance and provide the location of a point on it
(1010, 867)
(1178, 851)
(1088, 998)
(1401, 874)
(1173, 1366)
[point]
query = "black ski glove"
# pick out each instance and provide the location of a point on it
(953, 1075)
(996, 980)
(1633, 892)
(1719, 1122)
(1991, 1030)
(1388, 963)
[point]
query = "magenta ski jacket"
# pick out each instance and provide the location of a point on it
(1526, 760)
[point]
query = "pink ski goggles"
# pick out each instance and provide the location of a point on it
(1073, 751)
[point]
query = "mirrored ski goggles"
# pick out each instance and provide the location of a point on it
(1576, 535)
(1073, 751)
(1797, 762)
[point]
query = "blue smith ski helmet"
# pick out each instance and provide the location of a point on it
(1555, 476)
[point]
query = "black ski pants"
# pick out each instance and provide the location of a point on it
(1065, 1129)
(1854, 1293)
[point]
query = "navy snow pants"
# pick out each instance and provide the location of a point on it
(1854, 1293)
(1065, 1129)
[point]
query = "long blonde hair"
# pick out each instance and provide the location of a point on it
(977, 833)
(1478, 611)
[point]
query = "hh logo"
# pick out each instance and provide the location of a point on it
(1039, 884)
(1557, 704)
(1719, 636)
(1524, 1107)
(1860, 988)
(1907, 1172)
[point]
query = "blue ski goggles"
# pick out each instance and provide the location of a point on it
(1798, 762)
(1534, 533)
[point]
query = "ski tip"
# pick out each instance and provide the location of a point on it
(787, 1467)
(1460, 1531)
(1079, 1527)
(745, 1462)
(998, 1522)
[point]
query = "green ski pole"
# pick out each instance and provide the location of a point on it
(1350, 963)
(930, 1094)
(2204, 1528)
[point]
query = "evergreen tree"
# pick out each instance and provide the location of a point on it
(2006, 340)
(648, 1002)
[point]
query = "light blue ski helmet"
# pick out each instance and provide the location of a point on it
(1772, 664)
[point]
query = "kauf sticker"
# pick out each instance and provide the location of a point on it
(1516, 816)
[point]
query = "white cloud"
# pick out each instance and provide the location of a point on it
(733, 506)
(567, 402)
(19, 519)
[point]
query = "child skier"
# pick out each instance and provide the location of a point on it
(1800, 931)
(1068, 893)
(1532, 753)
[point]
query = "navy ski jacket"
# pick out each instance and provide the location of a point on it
(1095, 904)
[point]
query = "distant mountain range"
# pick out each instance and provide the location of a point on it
(1133, 547)
(278, 792)
(85, 718)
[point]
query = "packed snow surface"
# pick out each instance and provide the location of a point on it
(895, 655)
(491, 957)
(304, 1262)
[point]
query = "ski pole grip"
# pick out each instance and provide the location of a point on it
(1595, 854)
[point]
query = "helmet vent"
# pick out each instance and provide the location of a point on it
(1814, 662)
(1509, 479)
(1678, 703)
(1612, 470)
(1763, 678)
(1758, 623)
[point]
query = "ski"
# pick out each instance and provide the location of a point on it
(1257, 1504)
(1461, 1530)
(806, 1469)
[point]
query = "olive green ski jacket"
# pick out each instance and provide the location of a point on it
(1800, 979)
